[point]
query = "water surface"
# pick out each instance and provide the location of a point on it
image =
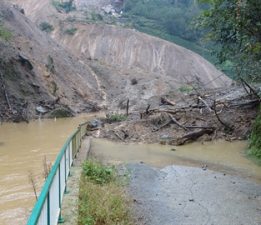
(23, 148)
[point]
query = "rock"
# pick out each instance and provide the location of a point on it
(60, 113)
(95, 124)
(41, 109)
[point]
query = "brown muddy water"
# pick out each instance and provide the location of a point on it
(23, 148)
(222, 156)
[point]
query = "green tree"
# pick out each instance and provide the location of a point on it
(235, 27)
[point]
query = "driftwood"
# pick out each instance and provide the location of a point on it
(162, 126)
(205, 103)
(192, 136)
(228, 127)
(165, 101)
(176, 122)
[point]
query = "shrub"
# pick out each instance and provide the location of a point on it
(185, 89)
(255, 139)
(46, 27)
(98, 173)
(70, 31)
(116, 117)
(101, 198)
(5, 34)
(63, 6)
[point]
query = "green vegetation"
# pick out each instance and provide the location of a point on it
(63, 6)
(98, 173)
(102, 200)
(46, 27)
(70, 31)
(235, 27)
(116, 117)
(186, 89)
(5, 34)
(169, 20)
(255, 139)
(96, 17)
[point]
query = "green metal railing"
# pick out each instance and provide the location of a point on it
(47, 209)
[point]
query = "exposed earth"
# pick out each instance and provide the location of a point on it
(96, 67)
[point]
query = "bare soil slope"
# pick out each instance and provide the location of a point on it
(36, 71)
(119, 56)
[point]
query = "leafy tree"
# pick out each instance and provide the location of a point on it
(235, 27)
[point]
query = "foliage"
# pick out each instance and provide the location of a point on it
(172, 17)
(70, 31)
(235, 26)
(172, 20)
(186, 89)
(63, 6)
(5, 34)
(255, 139)
(116, 117)
(99, 173)
(101, 199)
(46, 27)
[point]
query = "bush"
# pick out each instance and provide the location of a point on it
(70, 31)
(185, 89)
(5, 34)
(63, 6)
(116, 117)
(98, 173)
(102, 199)
(46, 27)
(255, 139)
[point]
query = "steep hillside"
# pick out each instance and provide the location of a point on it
(125, 63)
(39, 75)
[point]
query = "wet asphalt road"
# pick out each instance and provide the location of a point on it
(177, 195)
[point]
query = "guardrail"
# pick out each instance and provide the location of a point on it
(47, 209)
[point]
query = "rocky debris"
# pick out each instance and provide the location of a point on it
(94, 124)
(41, 109)
(36, 72)
(197, 116)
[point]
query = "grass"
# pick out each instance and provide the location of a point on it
(5, 34)
(186, 89)
(102, 200)
(255, 140)
(70, 31)
(46, 27)
(116, 117)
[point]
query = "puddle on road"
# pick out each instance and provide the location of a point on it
(22, 149)
(222, 156)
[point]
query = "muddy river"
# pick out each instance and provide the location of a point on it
(24, 146)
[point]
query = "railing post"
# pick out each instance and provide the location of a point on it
(65, 175)
(60, 220)
(48, 209)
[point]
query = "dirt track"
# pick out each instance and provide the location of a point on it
(178, 195)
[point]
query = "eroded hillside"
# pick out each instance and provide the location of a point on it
(38, 75)
(118, 63)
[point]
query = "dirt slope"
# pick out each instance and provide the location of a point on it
(126, 64)
(36, 71)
